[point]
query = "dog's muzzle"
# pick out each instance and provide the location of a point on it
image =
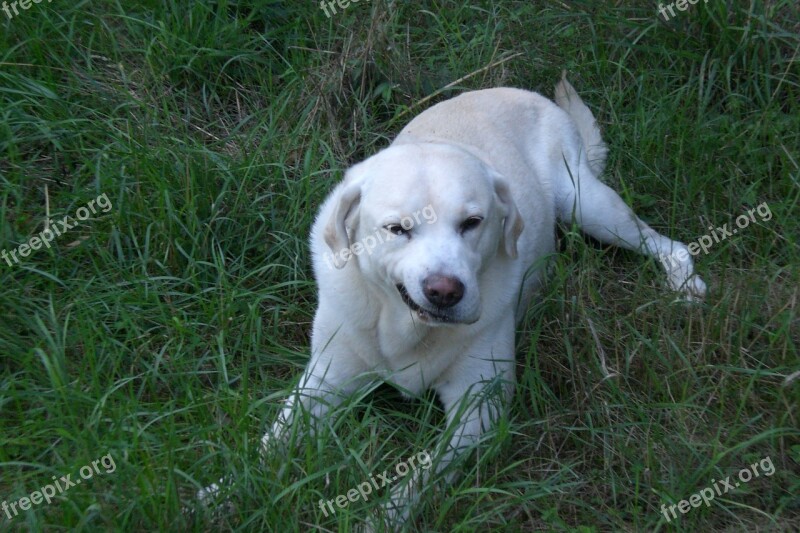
(424, 314)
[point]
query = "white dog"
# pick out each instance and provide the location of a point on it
(434, 303)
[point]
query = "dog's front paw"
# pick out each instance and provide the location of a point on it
(208, 494)
(211, 498)
(217, 496)
(680, 274)
(694, 289)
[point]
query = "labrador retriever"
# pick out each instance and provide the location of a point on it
(433, 302)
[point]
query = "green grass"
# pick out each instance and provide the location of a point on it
(169, 330)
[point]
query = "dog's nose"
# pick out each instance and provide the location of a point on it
(443, 291)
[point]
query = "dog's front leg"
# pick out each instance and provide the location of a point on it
(472, 409)
(475, 393)
(331, 375)
(329, 379)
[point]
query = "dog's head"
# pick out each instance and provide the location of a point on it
(423, 221)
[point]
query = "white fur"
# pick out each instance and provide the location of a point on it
(513, 158)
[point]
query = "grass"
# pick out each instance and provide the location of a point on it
(168, 331)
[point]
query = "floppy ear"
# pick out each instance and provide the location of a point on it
(513, 225)
(336, 236)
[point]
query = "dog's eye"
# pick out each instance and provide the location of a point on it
(470, 223)
(397, 229)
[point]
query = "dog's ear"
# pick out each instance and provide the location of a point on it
(513, 225)
(336, 236)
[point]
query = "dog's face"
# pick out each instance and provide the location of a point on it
(423, 222)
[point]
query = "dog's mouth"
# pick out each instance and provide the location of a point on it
(423, 314)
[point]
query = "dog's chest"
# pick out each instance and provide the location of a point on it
(411, 355)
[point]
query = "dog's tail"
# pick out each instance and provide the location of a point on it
(568, 100)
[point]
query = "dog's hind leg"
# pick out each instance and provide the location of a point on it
(601, 213)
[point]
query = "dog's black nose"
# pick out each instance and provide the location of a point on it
(443, 291)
